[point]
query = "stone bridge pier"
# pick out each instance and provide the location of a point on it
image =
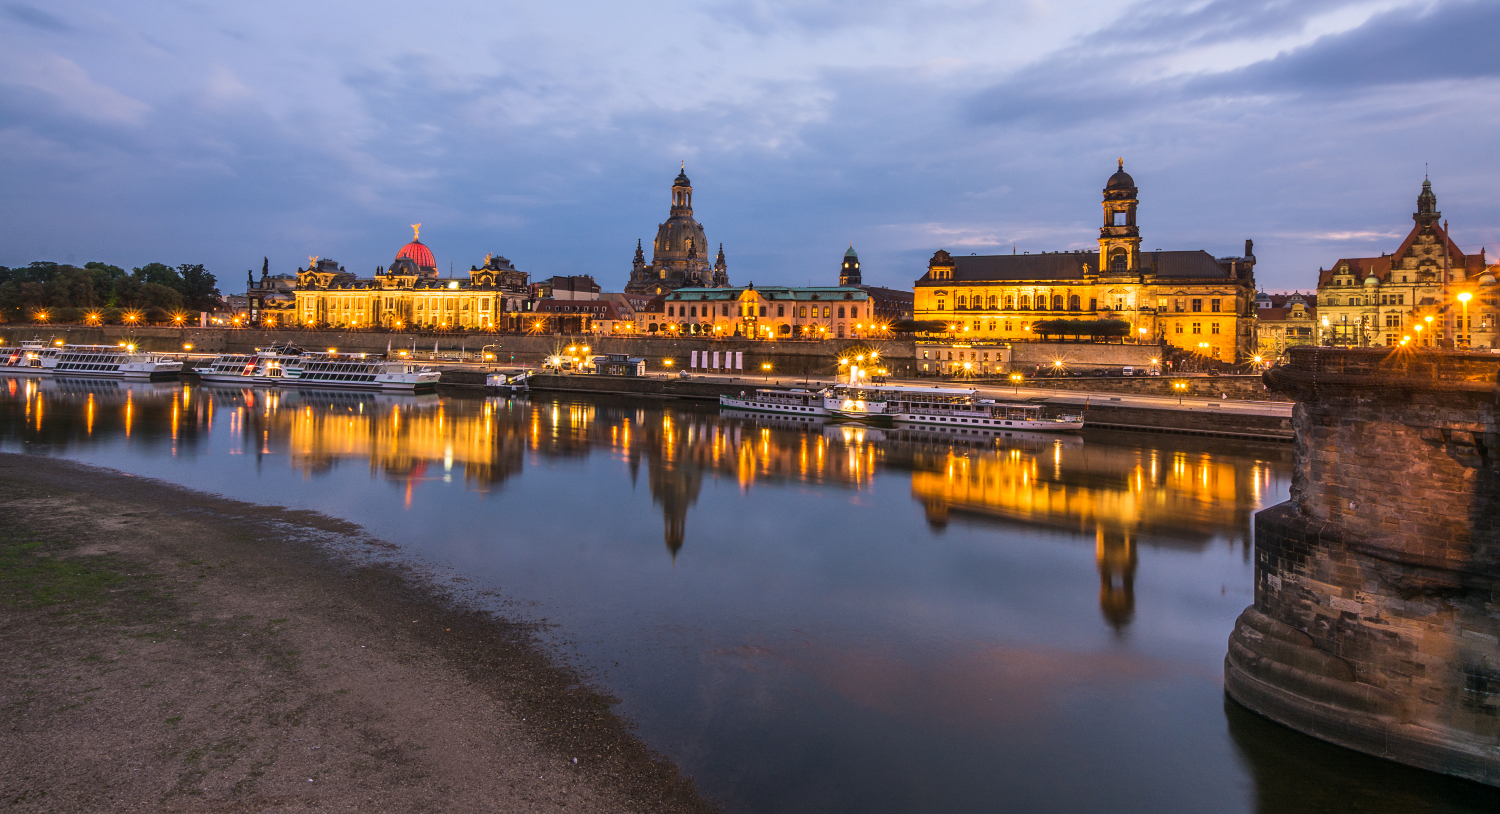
(1376, 622)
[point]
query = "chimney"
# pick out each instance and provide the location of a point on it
(1249, 247)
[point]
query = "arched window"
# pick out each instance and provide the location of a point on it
(1117, 261)
(1025, 302)
(1041, 302)
(1010, 302)
(1073, 303)
(826, 310)
(841, 312)
(1057, 302)
(963, 302)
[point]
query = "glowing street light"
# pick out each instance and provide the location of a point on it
(1463, 299)
(1015, 379)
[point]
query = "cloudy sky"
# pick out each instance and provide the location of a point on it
(186, 131)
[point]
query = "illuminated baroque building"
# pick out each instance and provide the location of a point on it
(1423, 292)
(770, 312)
(410, 293)
(679, 255)
(1188, 299)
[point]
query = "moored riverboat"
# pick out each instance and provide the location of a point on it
(944, 407)
(246, 368)
(31, 356)
(351, 371)
(110, 361)
(776, 400)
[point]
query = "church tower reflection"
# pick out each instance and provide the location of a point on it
(1114, 552)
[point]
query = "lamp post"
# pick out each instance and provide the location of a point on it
(1015, 379)
(1463, 299)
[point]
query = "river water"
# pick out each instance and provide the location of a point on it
(808, 617)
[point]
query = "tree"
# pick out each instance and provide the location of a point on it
(128, 292)
(104, 276)
(159, 273)
(200, 290)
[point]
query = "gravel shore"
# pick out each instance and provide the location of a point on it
(167, 650)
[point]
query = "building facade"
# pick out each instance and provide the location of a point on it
(410, 295)
(1428, 293)
(679, 255)
(770, 312)
(1283, 321)
(1188, 299)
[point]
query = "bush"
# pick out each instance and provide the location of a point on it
(1081, 327)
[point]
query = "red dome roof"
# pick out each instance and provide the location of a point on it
(417, 253)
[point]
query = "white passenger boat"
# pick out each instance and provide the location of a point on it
(350, 371)
(32, 355)
(245, 368)
(942, 407)
(109, 361)
(776, 400)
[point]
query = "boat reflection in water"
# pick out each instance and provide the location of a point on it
(1122, 496)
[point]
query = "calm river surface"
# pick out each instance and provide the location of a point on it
(808, 617)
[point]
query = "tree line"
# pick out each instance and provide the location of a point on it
(99, 292)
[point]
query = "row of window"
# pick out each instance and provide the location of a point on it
(746, 311)
(1072, 303)
(84, 366)
(338, 377)
(783, 329)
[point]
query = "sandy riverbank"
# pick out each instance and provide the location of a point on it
(167, 650)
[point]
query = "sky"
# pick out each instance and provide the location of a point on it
(549, 133)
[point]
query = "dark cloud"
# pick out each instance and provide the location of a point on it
(1453, 40)
(33, 16)
(1089, 83)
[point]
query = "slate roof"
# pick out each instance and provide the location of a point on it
(1062, 266)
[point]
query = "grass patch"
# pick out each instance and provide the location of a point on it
(35, 578)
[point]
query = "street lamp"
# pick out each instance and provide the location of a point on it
(1463, 299)
(766, 368)
(1180, 387)
(1015, 379)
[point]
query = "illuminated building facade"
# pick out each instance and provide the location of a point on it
(770, 312)
(410, 294)
(1429, 292)
(1187, 299)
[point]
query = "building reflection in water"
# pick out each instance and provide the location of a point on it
(1174, 493)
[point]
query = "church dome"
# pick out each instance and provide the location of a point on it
(851, 253)
(1121, 180)
(682, 180)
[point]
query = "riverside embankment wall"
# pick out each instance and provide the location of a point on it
(1376, 622)
(1250, 387)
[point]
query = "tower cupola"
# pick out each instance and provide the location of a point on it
(1119, 238)
(1427, 212)
(849, 274)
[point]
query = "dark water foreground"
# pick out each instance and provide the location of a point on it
(809, 617)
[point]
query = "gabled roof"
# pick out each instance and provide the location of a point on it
(1362, 267)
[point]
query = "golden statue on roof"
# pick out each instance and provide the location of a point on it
(416, 231)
